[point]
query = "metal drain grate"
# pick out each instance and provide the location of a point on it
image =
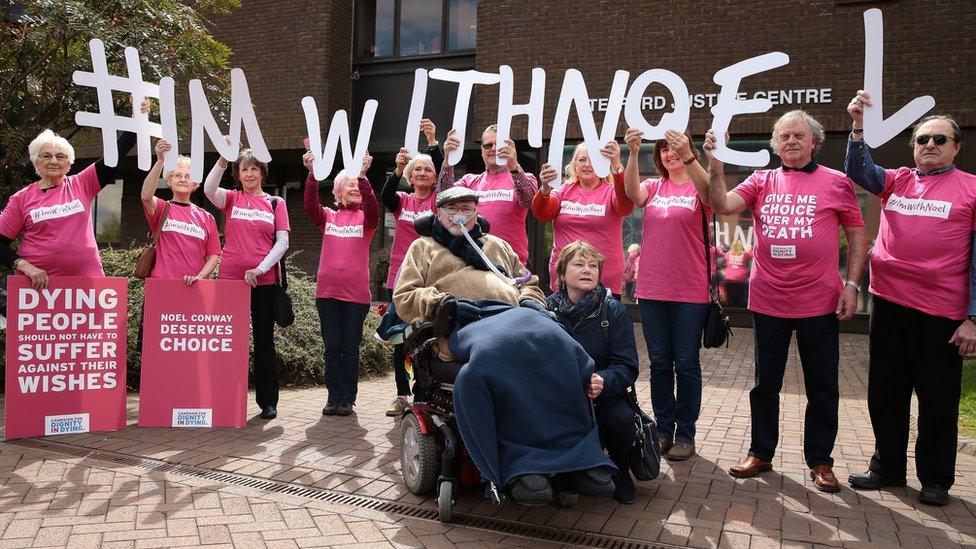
(504, 526)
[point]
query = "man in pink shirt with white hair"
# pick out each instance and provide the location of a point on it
(923, 318)
(795, 285)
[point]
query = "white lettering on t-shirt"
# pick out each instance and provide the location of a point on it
(918, 207)
(788, 216)
(777, 251)
(57, 211)
(344, 231)
(408, 215)
(575, 208)
(252, 215)
(496, 195)
(184, 228)
(687, 202)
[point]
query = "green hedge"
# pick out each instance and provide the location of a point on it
(299, 346)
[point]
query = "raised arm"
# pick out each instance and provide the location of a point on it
(148, 192)
(632, 187)
(858, 164)
(545, 206)
(311, 198)
(723, 202)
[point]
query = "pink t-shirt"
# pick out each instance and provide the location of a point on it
(499, 204)
(188, 237)
(673, 244)
(795, 270)
(591, 216)
(344, 261)
(922, 256)
(737, 266)
(56, 225)
(249, 234)
(404, 233)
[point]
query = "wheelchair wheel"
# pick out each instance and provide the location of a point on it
(419, 457)
(445, 501)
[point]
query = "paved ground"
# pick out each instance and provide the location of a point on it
(52, 497)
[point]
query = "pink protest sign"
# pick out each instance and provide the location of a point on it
(194, 354)
(65, 370)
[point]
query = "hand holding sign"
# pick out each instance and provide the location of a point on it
(547, 176)
(221, 161)
(367, 162)
(508, 153)
(162, 147)
(709, 147)
(430, 131)
(308, 159)
(856, 107)
(37, 276)
(612, 151)
(452, 143)
(633, 139)
(402, 159)
(680, 143)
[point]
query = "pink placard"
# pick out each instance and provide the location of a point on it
(65, 370)
(194, 354)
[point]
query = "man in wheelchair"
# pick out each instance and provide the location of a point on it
(520, 400)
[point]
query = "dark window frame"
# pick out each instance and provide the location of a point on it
(362, 32)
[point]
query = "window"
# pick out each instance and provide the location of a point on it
(107, 214)
(411, 28)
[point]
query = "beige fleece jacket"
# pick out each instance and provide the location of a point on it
(430, 272)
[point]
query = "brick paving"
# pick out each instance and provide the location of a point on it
(51, 499)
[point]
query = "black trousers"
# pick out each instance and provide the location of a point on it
(265, 357)
(910, 350)
(399, 368)
(818, 344)
(615, 421)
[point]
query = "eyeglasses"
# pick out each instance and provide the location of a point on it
(47, 157)
(451, 210)
(923, 139)
(487, 146)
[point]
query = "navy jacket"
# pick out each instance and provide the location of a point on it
(614, 350)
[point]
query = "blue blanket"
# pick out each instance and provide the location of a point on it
(520, 399)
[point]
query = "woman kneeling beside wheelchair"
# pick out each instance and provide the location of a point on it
(603, 327)
(521, 398)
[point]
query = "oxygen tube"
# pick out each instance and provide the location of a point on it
(460, 220)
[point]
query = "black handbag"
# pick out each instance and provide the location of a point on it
(717, 327)
(645, 455)
(283, 311)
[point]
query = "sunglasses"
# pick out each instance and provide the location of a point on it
(939, 139)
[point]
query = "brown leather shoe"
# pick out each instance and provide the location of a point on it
(824, 479)
(750, 467)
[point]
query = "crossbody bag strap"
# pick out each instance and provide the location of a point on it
(282, 274)
(708, 256)
(159, 227)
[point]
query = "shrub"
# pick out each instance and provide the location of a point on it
(300, 352)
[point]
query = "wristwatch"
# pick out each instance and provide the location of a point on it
(853, 284)
(971, 318)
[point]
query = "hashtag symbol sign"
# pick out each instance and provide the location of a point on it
(106, 119)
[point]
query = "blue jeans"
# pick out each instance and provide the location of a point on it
(342, 332)
(673, 332)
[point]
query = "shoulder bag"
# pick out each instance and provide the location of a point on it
(717, 327)
(147, 255)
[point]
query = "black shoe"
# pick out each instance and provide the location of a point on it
(870, 480)
(269, 412)
(593, 482)
(624, 489)
(344, 409)
(934, 495)
(330, 409)
(530, 490)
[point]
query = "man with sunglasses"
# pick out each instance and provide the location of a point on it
(923, 318)
(505, 191)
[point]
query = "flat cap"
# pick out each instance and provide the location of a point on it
(456, 194)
